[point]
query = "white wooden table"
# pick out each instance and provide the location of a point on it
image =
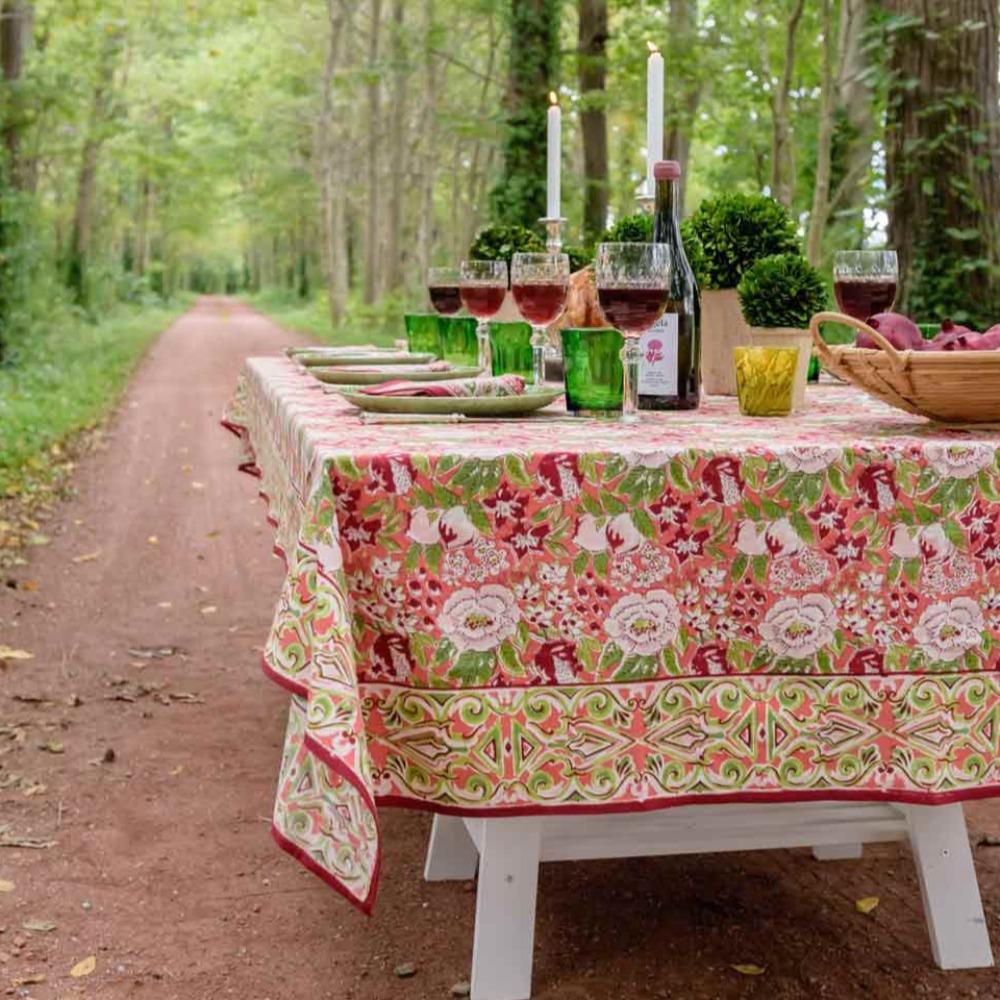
(507, 853)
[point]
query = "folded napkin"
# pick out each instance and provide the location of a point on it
(503, 385)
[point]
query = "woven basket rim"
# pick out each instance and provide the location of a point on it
(920, 359)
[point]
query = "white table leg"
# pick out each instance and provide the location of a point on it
(451, 854)
(838, 852)
(505, 909)
(952, 907)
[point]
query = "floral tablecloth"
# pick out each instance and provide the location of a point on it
(508, 618)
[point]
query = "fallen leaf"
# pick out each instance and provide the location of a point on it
(405, 970)
(187, 468)
(153, 652)
(153, 540)
(31, 977)
(209, 609)
(28, 843)
(195, 485)
(174, 771)
(36, 789)
(6, 886)
(31, 699)
(750, 970)
(867, 904)
(38, 539)
(42, 926)
(88, 557)
(6, 653)
(213, 534)
(29, 585)
(52, 746)
(84, 967)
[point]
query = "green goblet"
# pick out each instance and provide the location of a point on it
(592, 371)
(458, 338)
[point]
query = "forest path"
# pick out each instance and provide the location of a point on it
(163, 868)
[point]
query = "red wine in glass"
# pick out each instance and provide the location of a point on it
(632, 310)
(540, 302)
(483, 301)
(863, 297)
(445, 299)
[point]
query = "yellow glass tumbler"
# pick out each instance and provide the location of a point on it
(765, 380)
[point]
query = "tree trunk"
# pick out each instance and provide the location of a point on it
(428, 135)
(86, 188)
(15, 21)
(943, 159)
(685, 94)
(392, 221)
(821, 192)
(372, 284)
(533, 53)
(782, 174)
(591, 75)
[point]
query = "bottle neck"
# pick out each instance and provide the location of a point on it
(667, 203)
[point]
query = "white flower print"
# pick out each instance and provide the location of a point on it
(948, 629)
(618, 534)
(778, 538)
(856, 624)
(799, 627)
(873, 607)
(688, 595)
(727, 628)
(959, 461)
(991, 599)
(871, 582)
(712, 579)
(644, 623)
(479, 619)
(716, 603)
(808, 458)
(845, 600)
(884, 634)
(527, 590)
(551, 573)
(384, 569)
(330, 557)
(698, 621)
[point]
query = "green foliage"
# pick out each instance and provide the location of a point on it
(579, 257)
(636, 228)
(502, 242)
(64, 378)
(694, 250)
(380, 324)
(736, 230)
(533, 25)
(783, 290)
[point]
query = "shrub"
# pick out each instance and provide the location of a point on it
(781, 290)
(579, 257)
(630, 229)
(736, 230)
(502, 242)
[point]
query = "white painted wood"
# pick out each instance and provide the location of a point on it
(952, 906)
(505, 909)
(838, 852)
(451, 854)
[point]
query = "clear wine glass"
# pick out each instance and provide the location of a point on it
(540, 283)
(864, 281)
(483, 286)
(442, 288)
(632, 281)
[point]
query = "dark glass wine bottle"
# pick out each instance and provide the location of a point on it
(670, 370)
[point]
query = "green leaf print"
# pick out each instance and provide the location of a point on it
(473, 667)
(610, 657)
(510, 659)
(637, 668)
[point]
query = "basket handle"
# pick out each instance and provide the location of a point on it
(897, 359)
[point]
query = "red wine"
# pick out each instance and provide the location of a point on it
(540, 303)
(632, 310)
(483, 301)
(864, 297)
(670, 369)
(445, 299)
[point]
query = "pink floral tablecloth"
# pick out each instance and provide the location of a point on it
(507, 618)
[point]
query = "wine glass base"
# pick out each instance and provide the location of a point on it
(630, 418)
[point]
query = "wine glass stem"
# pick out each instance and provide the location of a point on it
(485, 355)
(538, 355)
(631, 355)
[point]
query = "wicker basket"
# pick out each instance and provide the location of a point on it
(952, 386)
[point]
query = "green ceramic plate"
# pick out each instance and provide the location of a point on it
(364, 358)
(470, 406)
(351, 376)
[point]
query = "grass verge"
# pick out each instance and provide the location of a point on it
(64, 380)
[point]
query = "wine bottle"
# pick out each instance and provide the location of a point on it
(670, 370)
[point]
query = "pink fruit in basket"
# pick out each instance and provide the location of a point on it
(953, 337)
(898, 329)
(989, 341)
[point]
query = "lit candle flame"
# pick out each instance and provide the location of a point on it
(652, 46)
(553, 99)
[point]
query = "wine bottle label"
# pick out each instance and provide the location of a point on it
(658, 367)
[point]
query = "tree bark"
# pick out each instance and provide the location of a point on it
(392, 221)
(943, 159)
(591, 77)
(685, 93)
(428, 136)
(782, 174)
(821, 192)
(15, 21)
(372, 281)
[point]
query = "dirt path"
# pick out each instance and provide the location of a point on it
(162, 866)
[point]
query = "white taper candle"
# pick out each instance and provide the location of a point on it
(554, 158)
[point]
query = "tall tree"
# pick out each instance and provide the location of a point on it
(824, 142)
(685, 89)
(782, 159)
(519, 197)
(591, 77)
(373, 125)
(943, 157)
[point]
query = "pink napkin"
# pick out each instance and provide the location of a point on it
(503, 385)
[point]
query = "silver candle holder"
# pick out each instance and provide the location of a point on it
(553, 234)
